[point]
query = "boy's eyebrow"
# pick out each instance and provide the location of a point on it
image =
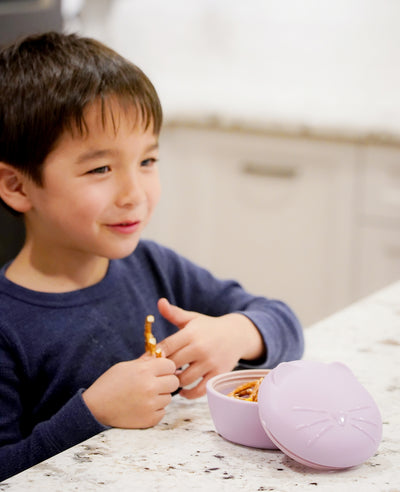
(100, 153)
(153, 146)
(94, 154)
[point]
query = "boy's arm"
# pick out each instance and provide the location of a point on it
(114, 399)
(280, 329)
(72, 424)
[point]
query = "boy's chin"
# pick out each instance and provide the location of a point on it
(119, 255)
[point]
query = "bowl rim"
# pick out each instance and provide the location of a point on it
(240, 376)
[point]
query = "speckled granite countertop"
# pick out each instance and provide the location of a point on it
(184, 452)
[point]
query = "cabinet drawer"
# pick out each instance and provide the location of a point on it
(380, 192)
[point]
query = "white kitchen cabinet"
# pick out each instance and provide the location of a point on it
(274, 213)
(378, 259)
(378, 220)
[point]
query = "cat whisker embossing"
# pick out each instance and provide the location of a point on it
(362, 419)
(333, 420)
(363, 431)
(319, 434)
(357, 409)
(316, 422)
(307, 409)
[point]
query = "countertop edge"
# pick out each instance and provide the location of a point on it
(285, 130)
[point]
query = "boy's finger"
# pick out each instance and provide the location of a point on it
(146, 356)
(162, 365)
(174, 314)
(196, 392)
(172, 344)
(170, 384)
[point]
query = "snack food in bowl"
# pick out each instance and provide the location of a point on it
(247, 391)
(235, 419)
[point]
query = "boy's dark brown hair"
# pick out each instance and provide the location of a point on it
(47, 81)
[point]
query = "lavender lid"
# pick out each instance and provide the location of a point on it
(319, 414)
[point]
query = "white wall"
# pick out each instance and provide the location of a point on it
(316, 62)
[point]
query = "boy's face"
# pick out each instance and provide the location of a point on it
(99, 191)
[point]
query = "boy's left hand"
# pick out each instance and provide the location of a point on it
(208, 345)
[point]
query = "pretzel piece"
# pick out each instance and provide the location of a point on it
(247, 391)
(150, 341)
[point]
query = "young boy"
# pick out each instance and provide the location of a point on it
(79, 130)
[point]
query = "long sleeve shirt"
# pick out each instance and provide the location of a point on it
(55, 345)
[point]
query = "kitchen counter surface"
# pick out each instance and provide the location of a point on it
(284, 129)
(184, 452)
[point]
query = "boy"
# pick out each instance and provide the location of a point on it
(79, 130)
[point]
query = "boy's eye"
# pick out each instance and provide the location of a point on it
(100, 170)
(148, 162)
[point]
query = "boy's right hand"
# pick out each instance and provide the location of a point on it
(133, 394)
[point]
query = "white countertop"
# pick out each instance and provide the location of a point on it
(184, 452)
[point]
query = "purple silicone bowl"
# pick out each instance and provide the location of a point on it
(236, 420)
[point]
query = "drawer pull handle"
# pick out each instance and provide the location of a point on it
(269, 171)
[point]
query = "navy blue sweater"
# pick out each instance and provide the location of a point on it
(53, 346)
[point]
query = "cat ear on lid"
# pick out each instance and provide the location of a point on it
(286, 369)
(340, 367)
(283, 370)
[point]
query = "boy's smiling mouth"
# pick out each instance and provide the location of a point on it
(125, 227)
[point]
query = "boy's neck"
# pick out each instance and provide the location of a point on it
(55, 275)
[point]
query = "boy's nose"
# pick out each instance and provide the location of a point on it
(130, 191)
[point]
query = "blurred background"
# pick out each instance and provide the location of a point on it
(280, 153)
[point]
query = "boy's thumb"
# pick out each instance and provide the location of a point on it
(174, 314)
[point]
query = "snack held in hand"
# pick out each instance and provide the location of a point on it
(149, 339)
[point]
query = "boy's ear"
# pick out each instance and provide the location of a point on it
(12, 188)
